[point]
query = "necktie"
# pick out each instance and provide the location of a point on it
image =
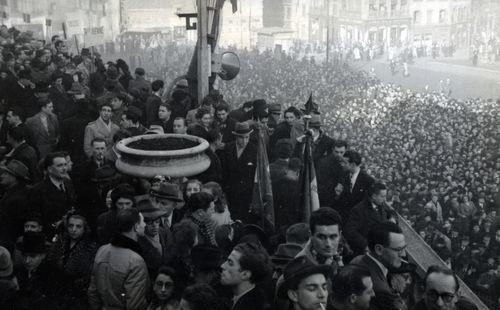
(61, 187)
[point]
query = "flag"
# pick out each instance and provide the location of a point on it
(220, 3)
(310, 106)
(262, 198)
(234, 3)
(308, 183)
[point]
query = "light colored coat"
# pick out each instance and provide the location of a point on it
(98, 129)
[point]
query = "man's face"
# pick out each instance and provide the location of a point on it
(393, 253)
(48, 108)
(59, 168)
(163, 204)
(12, 119)
(339, 151)
(31, 261)
(222, 115)
(124, 203)
(380, 197)
(325, 240)
(69, 162)
(311, 293)
(105, 113)
(192, 188)
(32, 226)
(363, 300)
(242, 141)
(125, 122)
(152, 227)
(116, 103)
(141, 226)
(179, 126)
(232, 274)
(206, 120)
(98, 150)
(76, 228)
(290, 118)
(163, 113)
(440, 292)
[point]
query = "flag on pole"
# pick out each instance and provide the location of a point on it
(308, 183)
(310, 106)
(262, 198)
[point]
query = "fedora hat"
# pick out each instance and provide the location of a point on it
(298, 269)
(315, 121)
(242, 129)
(17, 169)
(148, 211)
(33, 242)
(166, 191)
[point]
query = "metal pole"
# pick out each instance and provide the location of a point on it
(327, 31)
(202, 46)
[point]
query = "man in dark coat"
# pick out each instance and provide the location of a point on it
(363, 216)
(13, 208)
(153, 103)
(387, 247)
(238, 162)
(279, 167)
(286, 195)
(15, 118)
(224, 123)
(283, 130)
(246, 266)
(331, 175)
(53, 196)
(22, 152)
(322, 144)
(242, 114)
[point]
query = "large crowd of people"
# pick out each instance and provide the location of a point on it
(76, 233)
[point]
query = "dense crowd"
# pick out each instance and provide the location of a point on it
(78, 234)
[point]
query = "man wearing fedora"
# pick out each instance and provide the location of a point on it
(246, 266)
(238, 162)
(322, 144)
(166, 197)
(304, 284)
(13, 208)
(157, 241)
(38, 283)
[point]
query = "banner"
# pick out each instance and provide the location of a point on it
(93, 36)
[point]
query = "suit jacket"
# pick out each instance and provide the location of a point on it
(278, 169)
(329, 173)
(72, 135)
(362, 218)
(385, 297)
(252, 300)
(97, 129)
(359, 190)
(238, 178)
(45, 140)
(51, 202)
(151, 256)
(152, 105)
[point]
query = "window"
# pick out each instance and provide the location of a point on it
(430, 17)
(417, 17)
(442, 16)
(373, 5)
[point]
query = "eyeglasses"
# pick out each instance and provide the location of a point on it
(434, 296)
(400, 250)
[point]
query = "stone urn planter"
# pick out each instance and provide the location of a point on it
(173, 155)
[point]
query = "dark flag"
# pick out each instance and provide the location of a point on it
(307, 178)
(262, 198)
(220, 3)
(234, 3)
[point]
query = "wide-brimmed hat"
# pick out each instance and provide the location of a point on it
(315, 121)
(242, 129)
(148, 211)
(166, 191)
(298, 269)
(6, 266)
(33, 242)
(17, 169)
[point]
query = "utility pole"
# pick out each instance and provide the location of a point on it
(327, 31)
(203, 50)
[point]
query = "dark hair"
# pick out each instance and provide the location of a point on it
(157, 85)
(340, 143)
(17, 111)
(168, 271)
(48, 160)
(379, 234)
(212, 135)
(220, 201)
(166, 105)
(202, 111)
(324, 217)
(43, 102)
(183, 119)
(201, 297)
(443, 270)
(121, 134)
(131, 115)
(97, 140)
(255, 259)
(126, 219)
(375, 188)
(185, 233)
(200, 200)
(17, 133)
(353, 157)
(222, 106)
(106, 103)
(208, 101)
(293, 110)
(348, 281)
(123, 190)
